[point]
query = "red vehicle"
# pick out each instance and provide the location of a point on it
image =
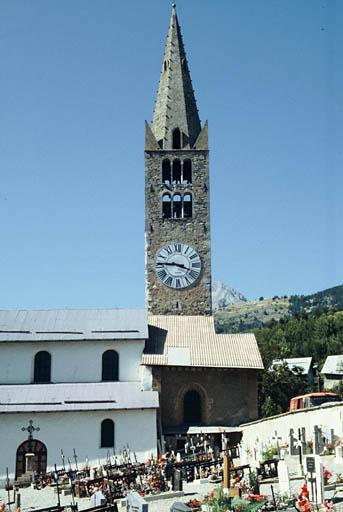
(312, 400)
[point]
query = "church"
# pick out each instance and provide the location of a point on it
(84, 384)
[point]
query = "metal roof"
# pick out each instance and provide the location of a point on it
(333, 365)
(196, 334)
(73, 324)
(304, 363)
(75, 397)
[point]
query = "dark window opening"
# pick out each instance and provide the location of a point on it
(166, 206)
(176, 139)
(166, 172)
(176, 172)
(187, 172)
(165, 65)
(107, 434)
(160, 143)
(110, 366)
(192, 408)
(187, 206)
(177, 206)
(42, 367)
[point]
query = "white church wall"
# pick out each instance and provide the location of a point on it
(70, 361)
(79, 430)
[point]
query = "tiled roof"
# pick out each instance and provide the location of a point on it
(192, 341)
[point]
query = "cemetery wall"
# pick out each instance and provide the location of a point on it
(79, 430)
(228, 396)
(68, 362)
(261, 432)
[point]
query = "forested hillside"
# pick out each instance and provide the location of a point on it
(304, 335)
(249, 315)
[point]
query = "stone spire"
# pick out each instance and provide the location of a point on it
(175, 106)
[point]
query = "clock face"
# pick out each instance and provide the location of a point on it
(178, 265)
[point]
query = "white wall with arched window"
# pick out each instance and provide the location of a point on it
(69, 361)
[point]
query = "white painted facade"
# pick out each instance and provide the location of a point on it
(71, 361)
(79, 430)
(70, 408)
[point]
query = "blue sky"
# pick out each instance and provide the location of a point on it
(79, 77)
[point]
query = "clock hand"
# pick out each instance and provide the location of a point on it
(181, 265)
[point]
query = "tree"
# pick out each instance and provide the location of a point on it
(277, 386)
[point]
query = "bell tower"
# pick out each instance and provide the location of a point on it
(177, 202)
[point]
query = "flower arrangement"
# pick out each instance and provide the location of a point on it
(326, 475)
(303, 499)
(327, 507)
(194, 504)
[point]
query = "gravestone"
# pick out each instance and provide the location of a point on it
(135, 503)
(178, 506)
(97, 499)
(291, 441)
(284, 483)
(303, 441)
(316, 440)
(177, 480)
(314, 477)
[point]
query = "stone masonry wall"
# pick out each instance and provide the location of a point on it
(195, 231)
(229, 396)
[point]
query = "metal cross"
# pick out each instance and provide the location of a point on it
(62, 457)
(75, 458)
(30, 430)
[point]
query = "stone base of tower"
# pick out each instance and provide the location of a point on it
(205, 380)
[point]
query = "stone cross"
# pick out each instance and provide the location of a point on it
(277, 442)
(30, 429)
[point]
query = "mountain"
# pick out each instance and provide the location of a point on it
(223, 295)
(255, 314)
(252, 314)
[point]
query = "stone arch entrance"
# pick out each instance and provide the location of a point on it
(192, 408)
(193, 405)
(39, 460)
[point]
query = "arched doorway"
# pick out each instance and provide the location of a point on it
(39, 461)
(192, 408)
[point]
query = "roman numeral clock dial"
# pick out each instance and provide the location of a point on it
(178, 265)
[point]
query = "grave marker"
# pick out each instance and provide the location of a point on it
(314, 475)
(284, 483)
(135, 503)
(178, 506)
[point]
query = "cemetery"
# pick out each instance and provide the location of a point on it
(234, 478)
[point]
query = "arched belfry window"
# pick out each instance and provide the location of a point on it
(187, 172)
(166, 171)
(110, 366)
(176, 139)
(187, 206)
(166, 206)
(176, 172)
(177, 206)
(42, 367)
(107, 434)
(192, 408)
